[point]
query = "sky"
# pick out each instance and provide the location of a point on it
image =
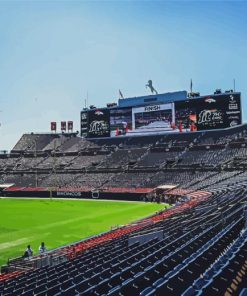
(53, 54)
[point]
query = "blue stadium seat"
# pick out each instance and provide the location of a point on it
(189, 292)
(243, 292)
(148, 292)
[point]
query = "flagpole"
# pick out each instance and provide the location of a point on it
(120, 94)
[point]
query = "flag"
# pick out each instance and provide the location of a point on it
(120, 95)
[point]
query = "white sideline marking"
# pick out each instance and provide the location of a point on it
(88, 199)
(15, 243)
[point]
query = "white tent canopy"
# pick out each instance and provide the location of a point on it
(3, 186)
(167, 187)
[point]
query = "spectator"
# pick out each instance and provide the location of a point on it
(28, 253)
(42, 248)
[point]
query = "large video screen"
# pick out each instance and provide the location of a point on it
(203, 113)
(209, 112)
(98, 123)
(153, 117)
(120, 119)
(219, 112)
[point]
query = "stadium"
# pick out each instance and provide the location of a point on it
(148, 198)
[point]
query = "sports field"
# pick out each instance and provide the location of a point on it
(59, 222)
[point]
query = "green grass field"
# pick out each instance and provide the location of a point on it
(59, 222)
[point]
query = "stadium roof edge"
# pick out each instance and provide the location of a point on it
(161, 98)
(149, 99)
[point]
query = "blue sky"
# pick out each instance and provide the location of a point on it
(53, 52)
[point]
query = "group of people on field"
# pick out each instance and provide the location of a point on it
(29, 252)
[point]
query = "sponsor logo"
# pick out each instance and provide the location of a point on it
(233, 105)
(152, 108)
(210, 100)
(98, 112)
(98, 127)
(233, 123)
(232, 112)
(233, 117)
(84, 116)
(207, 116)
(68, 194)
(95, 194)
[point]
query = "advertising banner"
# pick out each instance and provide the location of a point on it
(210, 112)
(98, 123)
(84, 118)
(219, 112)
(53, 126)
(70, 125)
(63, 125)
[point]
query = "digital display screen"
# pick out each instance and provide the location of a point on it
(98, 123)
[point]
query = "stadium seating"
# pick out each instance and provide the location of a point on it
(163, 156)
(199, 238)
(197, 247)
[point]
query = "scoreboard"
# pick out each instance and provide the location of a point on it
(210, 112)
(217, 111)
